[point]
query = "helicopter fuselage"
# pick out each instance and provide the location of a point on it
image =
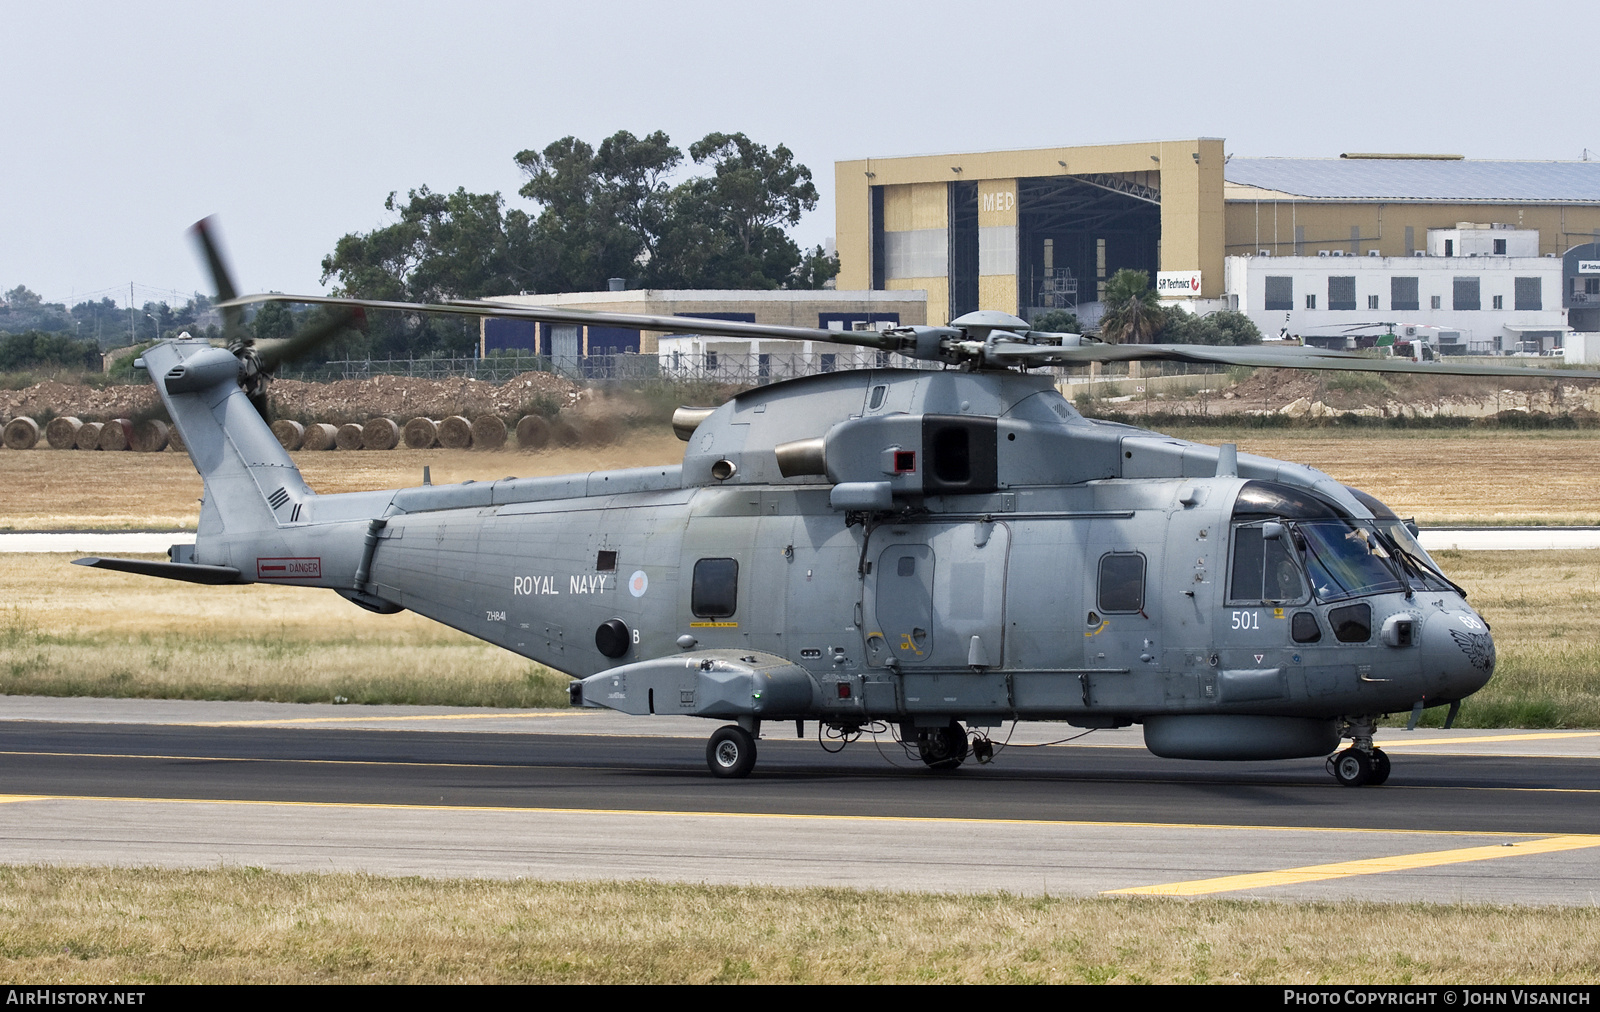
(922, 548)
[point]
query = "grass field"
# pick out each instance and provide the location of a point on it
(1437, 476)
(68, 630)
(89, 925)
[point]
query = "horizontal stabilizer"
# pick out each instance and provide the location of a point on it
(187, 572)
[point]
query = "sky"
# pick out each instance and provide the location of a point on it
(121, 124)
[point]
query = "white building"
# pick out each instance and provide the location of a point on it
(1472, 304)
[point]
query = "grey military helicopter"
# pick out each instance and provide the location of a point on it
(928, 552)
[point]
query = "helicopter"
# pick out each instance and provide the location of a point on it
(929, 552)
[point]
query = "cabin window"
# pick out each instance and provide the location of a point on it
(715, 591)
(605, 561)
(1122, 582)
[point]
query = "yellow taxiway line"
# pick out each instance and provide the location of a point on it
(1367, 866)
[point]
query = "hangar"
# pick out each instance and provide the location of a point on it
(1027, 230)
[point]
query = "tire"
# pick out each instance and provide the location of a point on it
(731, 752)
(1352, 767)
(943, 748)
(1380, 768)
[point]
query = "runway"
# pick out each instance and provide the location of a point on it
(1468, 816)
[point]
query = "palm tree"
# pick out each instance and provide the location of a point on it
(1133, 314)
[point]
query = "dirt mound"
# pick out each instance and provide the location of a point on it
(398, 397)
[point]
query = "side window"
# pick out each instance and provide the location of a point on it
(1121, 582)
(1263, 569)
(715, 592)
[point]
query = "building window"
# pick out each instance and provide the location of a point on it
(1403, 294)
(1591, 286)
(1341, 293)
(1499, 247)
(1280, 293)
(1372, 302)
(1434, 302)
(1499, 302)
(1464, 294)
(1311, 302)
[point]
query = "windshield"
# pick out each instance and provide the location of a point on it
(1347, 558)
(1422, 572)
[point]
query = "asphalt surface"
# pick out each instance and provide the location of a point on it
(1466, 816)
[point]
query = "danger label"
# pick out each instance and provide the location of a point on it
(289, 569)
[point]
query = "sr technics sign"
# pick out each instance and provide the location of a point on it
(1178, 284)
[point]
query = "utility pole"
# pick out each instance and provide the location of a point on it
(132, 337)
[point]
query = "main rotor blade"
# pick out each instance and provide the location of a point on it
(583, 317)
(1264, 357)
(221, 280)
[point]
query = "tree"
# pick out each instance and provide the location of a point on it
(1056, 321)
(1224, 327)
(1133, 314)
(444, 246)
(817, 268)
(604, 212)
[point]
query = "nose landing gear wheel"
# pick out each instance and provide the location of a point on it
(1352, 767)
(1380, 768)
(731, 752)
(943, 748)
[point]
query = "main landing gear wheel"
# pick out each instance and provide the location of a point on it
(943, 748)
(731, 752)
(1352, 767)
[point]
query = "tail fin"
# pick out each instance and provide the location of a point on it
(251, 485)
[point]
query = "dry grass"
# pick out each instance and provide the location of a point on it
(70, 631)
(62, 490)
(245, 925)
(1544, 608)
(1448, 476)
(1437, 476)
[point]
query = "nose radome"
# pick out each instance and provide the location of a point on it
(1458, 653)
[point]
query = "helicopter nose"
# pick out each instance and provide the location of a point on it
(1457, 654)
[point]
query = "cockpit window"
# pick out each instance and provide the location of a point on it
(1266, 499)
(1422, 572)
(1346, 558)
(1264, 569)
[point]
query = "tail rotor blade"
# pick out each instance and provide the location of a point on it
(271, 353)
(221, 279)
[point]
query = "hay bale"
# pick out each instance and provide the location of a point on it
(290, 433)
(116, 434)
(489, 432)
(564, 433)
(380, 434)
(175, 439)
(421, 434)
(319, 436)
(149, 436)
(62, 432)
(533, 433)
(89, 435)
(455, 433)
(21, 433)
(348, 436)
